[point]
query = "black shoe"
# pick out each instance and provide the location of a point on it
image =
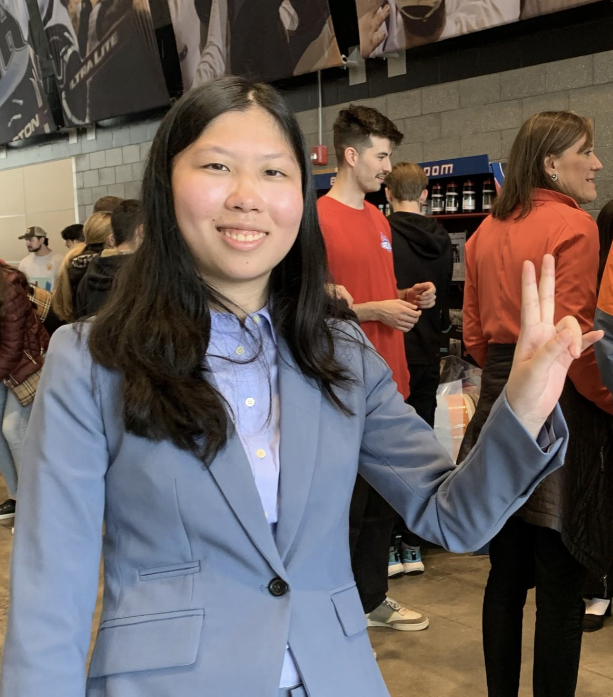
(7, 509)
(592, 623)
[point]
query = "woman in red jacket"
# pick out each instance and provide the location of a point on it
(566, 527)
(23, 342)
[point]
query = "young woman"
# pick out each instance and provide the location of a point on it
(23, 342)
(566, 527)
(214, 417)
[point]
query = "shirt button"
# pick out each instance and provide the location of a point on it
(240, 350)
(261, 453)
(250, 401)
(256, 319)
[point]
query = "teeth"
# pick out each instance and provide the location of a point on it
(242, 237)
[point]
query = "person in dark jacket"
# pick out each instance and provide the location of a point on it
(97, 230)
(422, 252)
(124, 239)
(23, 342)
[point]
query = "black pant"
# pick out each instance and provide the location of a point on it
(524, 556)
(371, 520)
(423, 384)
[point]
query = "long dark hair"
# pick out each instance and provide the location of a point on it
(547, 133)
(156, 326)
(605, 233)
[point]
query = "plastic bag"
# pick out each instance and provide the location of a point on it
(456, 399)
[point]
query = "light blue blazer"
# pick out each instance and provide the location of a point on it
(200, 599)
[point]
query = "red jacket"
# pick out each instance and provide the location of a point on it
(23, 339)
(492, 295)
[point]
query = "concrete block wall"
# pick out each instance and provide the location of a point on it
(465, 117)
(483, 114)
(110, 164)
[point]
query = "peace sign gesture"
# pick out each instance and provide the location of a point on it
(544, 351)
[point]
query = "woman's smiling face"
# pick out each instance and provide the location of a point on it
(238, 201)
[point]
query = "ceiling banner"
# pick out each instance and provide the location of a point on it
(392, 25)
(105, 58)
(24, 110)
(262, 39)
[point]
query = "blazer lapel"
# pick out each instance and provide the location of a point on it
(300, 404)
(233, 476)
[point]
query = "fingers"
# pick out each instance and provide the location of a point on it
(591, 338)
(530, 305)
(548, 354)
(547, 289)
(570, 323)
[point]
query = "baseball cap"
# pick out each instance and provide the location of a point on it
(33, 231)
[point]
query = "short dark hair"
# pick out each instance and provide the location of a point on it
(73, 232)
(356, 124)
(406, 181)
(107, 203)
(125, 219)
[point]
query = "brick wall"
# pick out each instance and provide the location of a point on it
(465, 117)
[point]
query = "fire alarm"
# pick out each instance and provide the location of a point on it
(319, 155)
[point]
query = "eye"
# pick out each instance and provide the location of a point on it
(588, 152)
(216, 167)
(274, 173)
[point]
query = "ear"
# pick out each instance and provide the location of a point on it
(551, 163)
(352, 156)
(388, 195)
(110, 241)
(424, 196)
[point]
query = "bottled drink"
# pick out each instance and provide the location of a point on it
(452, 202)
(438, 201)
(469, 200)
(488, 195)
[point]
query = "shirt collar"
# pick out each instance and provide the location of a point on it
(258, 319)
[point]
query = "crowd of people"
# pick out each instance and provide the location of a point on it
(45, 292)
(243, 394)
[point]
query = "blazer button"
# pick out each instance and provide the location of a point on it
(278, 587)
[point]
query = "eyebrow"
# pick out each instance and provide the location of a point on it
(217, 149)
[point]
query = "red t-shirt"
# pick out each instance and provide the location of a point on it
(359, 249)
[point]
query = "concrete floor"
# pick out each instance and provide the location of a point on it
(444, 660)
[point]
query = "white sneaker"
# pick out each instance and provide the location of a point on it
(396, 616)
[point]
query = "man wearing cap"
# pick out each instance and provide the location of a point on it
(41, 265)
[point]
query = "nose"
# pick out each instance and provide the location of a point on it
(597, 164)
(245, 196)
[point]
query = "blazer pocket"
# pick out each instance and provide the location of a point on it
(349, 609)
(147, 642)
(158, 572)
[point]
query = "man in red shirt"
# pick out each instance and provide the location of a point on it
(358, 242)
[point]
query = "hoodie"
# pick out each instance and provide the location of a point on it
(96, 284)
(422, 252)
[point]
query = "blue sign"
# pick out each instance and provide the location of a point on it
(324, 182)
(457, 167)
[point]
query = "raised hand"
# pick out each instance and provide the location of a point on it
(544, 351)
(372, 32)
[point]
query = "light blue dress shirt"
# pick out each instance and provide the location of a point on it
(248, 381)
